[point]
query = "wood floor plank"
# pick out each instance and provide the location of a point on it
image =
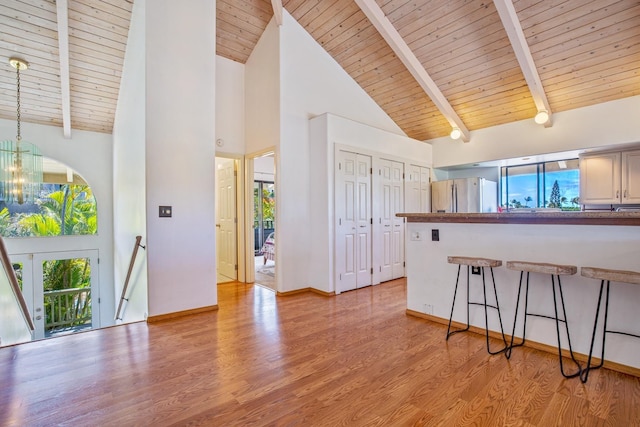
(354, 359)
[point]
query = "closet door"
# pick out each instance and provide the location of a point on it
(391, 228)
(418, 195)
(353, 216)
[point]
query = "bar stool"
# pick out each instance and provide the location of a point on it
(605, 275)
(555, 271)
(481, 263)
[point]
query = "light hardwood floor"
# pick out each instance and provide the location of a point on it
(302, 360)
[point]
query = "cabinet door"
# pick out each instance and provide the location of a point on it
(600, 178)
(631, 177)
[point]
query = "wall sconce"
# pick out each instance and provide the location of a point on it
(456, 133)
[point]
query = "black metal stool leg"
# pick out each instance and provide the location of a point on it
(585, 371)
(564, 313)
(515, 317)
(453, 303)
(486, 316)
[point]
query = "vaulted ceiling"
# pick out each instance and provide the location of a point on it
(430, 64)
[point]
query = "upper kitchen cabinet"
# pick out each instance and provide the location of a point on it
(631, 176)
(610, 178)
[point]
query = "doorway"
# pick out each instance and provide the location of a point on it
(264, 204)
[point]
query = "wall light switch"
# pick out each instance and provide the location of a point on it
(435, 235)
(165, 212)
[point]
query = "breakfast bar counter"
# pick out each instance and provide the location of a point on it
(585, 239)
(532, 217)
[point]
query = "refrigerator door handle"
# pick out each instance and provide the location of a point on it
(455, 197)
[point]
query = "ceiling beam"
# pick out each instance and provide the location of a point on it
(277, 11)
(512, 25)
(63, 49)
(409, 59)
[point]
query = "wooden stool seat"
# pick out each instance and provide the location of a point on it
(623, 276)
(474, 261)
(542, 267)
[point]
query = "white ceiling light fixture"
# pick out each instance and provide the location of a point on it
(20, 162)
(456, 133)
(542, 117)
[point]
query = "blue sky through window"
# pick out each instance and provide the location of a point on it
(524, 180)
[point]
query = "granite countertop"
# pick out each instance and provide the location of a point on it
(560, 218)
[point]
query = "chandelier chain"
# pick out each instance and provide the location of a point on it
(18, 97)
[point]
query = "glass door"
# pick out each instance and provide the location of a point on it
(61, 290)
(264, 204)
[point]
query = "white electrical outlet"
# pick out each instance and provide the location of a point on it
(428, 309)
(416, 236)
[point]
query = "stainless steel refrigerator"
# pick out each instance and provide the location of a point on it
(464, 195)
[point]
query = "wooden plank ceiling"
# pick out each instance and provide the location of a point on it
(98, 31)
(585, 53)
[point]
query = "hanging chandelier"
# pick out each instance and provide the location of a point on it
(20, 162)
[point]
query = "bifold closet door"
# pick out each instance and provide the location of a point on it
(418, 198)
(353, 221)
(391, 196)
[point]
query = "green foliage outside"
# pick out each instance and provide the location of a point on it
(68, 211)
(268, 204)
(554, 199)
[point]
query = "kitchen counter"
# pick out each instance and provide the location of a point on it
(559, 218)
(584, 239)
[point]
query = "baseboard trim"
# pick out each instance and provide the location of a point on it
(176, 314)
(618, 367)
(299, 291)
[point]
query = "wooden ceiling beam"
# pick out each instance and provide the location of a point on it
(277, 11)
(513, 27)
(63, 49)
(409, 59)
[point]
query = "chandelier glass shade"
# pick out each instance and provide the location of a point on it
(20, 162)
(20, 171)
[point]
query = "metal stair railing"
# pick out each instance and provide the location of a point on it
(15, 287)
(126, 280)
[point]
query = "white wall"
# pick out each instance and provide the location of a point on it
(129, 173)
(90, 154)
(262, 92)
(326, 132)
(312, 84)
(609, 123)
(230, 97)
(180, 153)
(263, 169)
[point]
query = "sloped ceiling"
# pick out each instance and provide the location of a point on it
(585, 52)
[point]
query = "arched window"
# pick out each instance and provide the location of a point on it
(65, 205)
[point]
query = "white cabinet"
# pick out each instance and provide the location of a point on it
(631, 176)
(610, 178)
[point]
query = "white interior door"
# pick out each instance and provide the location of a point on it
(353, 216)
(417, 195)
(425, 187)
(386, 220)
(397, 224)
(226, 219)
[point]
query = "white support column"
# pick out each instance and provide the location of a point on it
(180, 154)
